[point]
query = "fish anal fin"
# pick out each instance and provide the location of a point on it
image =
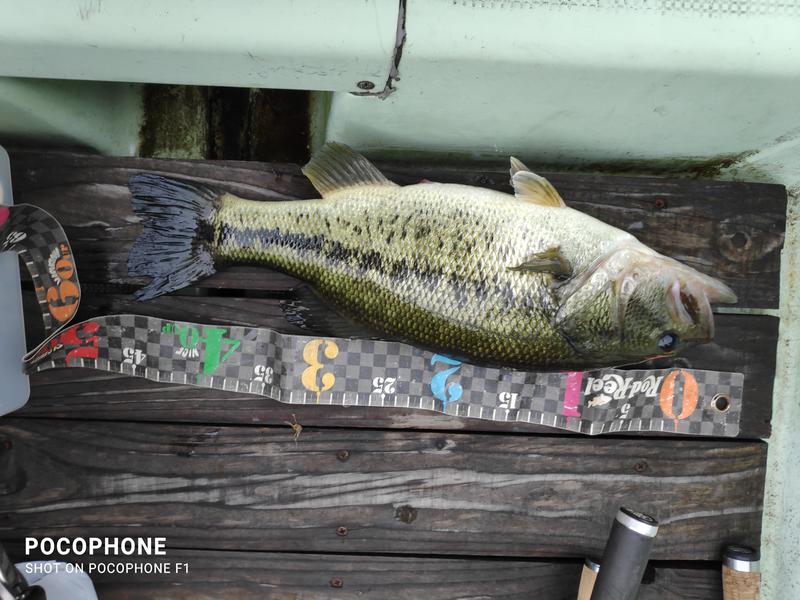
(548, 261)
(336, 167)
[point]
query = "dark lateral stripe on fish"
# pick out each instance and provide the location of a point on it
(233, 239)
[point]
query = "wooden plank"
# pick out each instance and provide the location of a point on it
(733, 231)
(268, 575)
(255, 488)
(743, 343)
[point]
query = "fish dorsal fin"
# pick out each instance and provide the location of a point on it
(336, 167)
(530, 187)
(516, 166)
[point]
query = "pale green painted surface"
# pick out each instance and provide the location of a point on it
(103, 116)
(780, 163)
(589, 81)
(781, 536)
(299, 44)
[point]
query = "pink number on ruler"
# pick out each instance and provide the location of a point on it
(572, 395)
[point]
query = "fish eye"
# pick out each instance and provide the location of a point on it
(667, 341)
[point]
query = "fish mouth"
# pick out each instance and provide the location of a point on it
(690, 296)
(689, 293)
(693, 309)
(714, 290)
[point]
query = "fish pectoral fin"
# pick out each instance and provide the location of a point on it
(548, 261)
(533, 188)
(336, 167)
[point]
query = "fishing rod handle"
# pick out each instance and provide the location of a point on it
(741, 576)
(625, 557)
(588, 578)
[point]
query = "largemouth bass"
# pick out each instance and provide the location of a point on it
(518, 280)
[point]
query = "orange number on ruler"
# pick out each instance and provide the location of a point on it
(62, 299)
(666, 397)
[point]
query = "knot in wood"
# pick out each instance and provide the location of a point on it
(407, 514)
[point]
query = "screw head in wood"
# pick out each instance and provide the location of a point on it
(740, 239)
(337, 582)
(342, 531)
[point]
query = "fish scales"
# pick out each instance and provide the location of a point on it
(428, 260)
(518, 280)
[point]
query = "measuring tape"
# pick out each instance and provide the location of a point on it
(298, 369)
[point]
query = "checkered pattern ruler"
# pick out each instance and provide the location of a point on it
(307, 370)
(43, 246)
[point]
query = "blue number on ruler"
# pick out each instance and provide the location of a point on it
(439, 380)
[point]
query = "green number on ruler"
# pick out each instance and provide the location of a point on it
(213, 341)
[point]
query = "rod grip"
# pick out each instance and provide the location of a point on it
(588, 578)
(741, 576)
(625, 557)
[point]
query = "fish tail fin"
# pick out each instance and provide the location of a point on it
(174, 247)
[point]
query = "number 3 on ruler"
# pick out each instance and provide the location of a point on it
(311, 356)
(439, 380)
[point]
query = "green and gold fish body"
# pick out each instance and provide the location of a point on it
(519, 280)
(428, 262)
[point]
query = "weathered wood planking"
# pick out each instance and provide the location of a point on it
(743, 343)
(245, 575)
(733, 231)
(251, 488)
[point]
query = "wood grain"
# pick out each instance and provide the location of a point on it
(101, 454)
(215, 575)
(740, 586)
(733, 231)
(586, 586)
(744, 343)
(214, 487)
